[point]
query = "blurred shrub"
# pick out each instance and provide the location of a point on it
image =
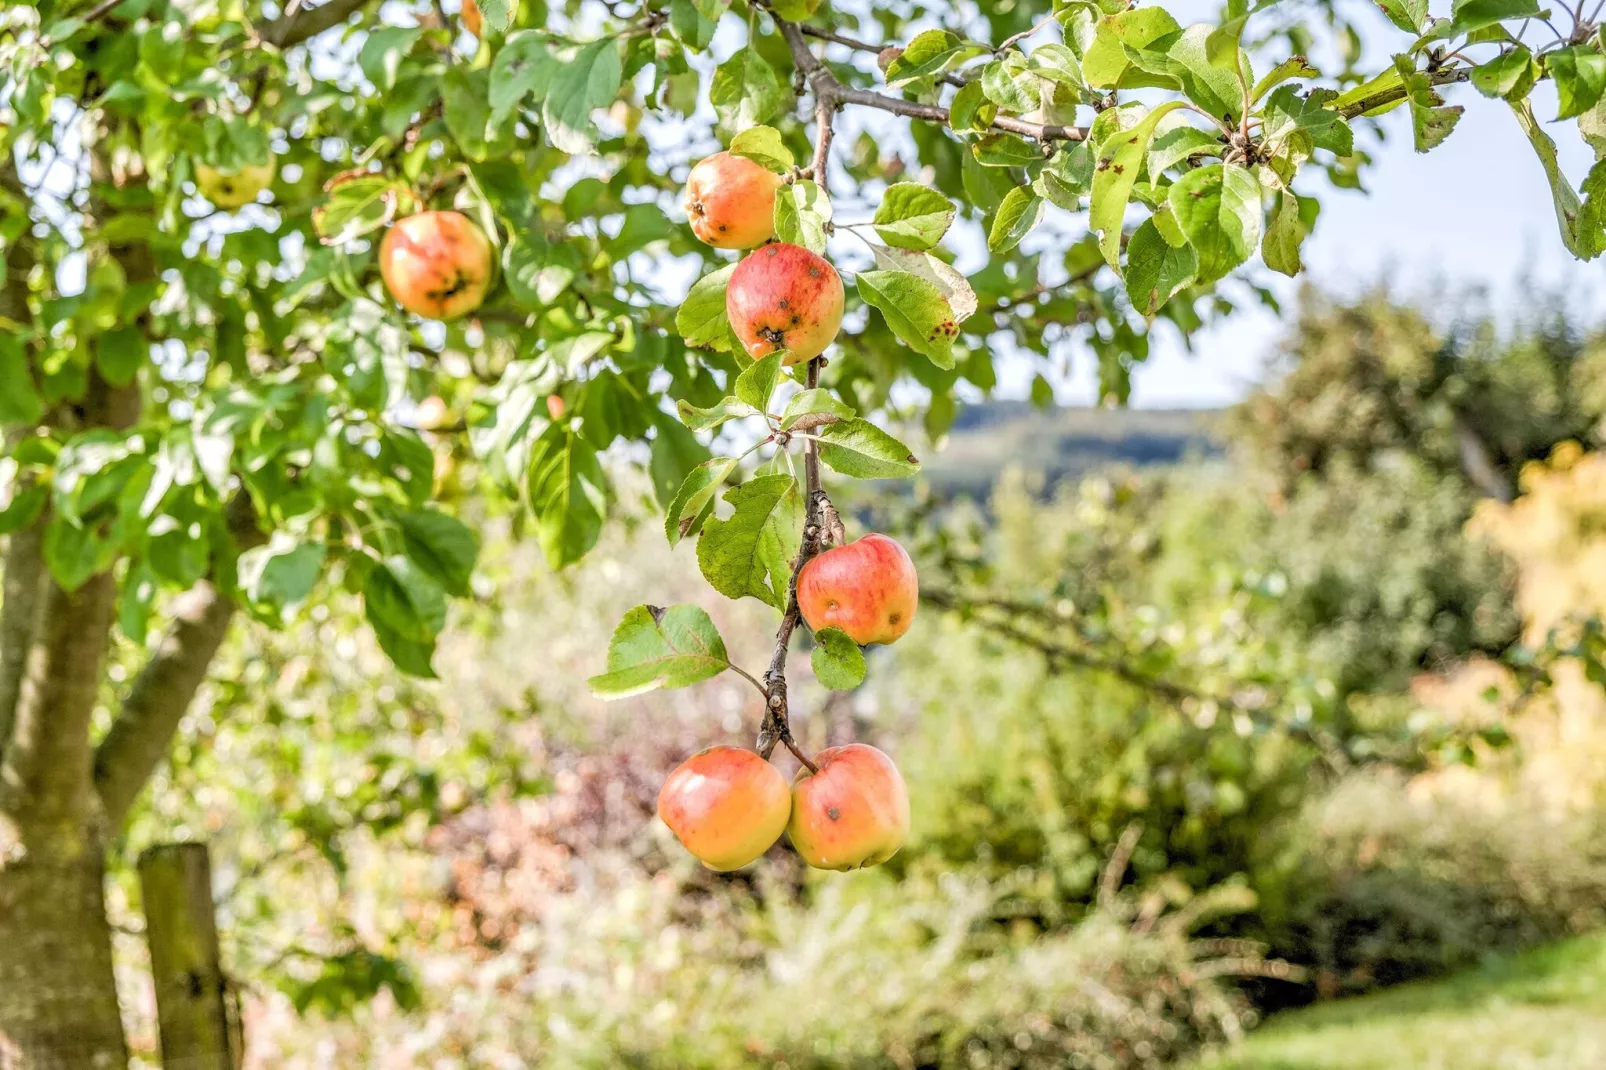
(1378, 883)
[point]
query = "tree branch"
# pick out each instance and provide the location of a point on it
(161, 694)
(1442, 76)
(828, 89)
(294, 28)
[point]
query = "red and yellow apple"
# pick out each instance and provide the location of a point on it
(867, 588)
(726, 805)
(555, 407)
(232, 190)
(785, 297)
(731, 201)
(853, 813)
(436, 264)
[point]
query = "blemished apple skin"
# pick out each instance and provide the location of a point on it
(730, 201)
(726, 805)
(233, 190)
(436, 264)
(853, 813)
(866, 588)
(785, 297)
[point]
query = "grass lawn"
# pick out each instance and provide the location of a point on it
(1544, 1010)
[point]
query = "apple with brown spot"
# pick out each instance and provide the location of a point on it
(867, 588)
(730, 201)
(436, 264)
(785, 297)
(233, 190)
(852, 813)
(726, 805)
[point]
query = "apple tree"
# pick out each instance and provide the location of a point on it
(263, 262)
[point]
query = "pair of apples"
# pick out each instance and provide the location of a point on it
(728, 805)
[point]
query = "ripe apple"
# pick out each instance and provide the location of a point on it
(731, 202)
(232, 190)
(436, 264)
(853, 813)
(726, 805)
(555, 407)
(867, 588)
(473, 21)
(784, 297)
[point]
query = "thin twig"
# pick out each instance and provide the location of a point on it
(1044, 23)
(750, 678)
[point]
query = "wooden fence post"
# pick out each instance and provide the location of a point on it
(192, 998)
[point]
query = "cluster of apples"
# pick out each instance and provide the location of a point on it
(728, 805)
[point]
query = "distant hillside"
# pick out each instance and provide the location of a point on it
(1063, 443)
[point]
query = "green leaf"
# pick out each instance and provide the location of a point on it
(1580, 76)
(524, 67)
(813, 408)
(383, 51)
(656, 648)
(119, 353)
(930, 54)
(1591, 126)
(802, 211)
(1430, 123)
(74, 554)
(1008, 84)
(699, 419)
(692, 504)
(566, 488)
(1106, 61)
(689, 24)
(1178, 144)
(1287, 111)
(701, 320)
(747, 92)
(1578, 240)
(764, 146)
(441, 545)
(1006, 150)
(1509, 75)
(19, 398)
(1120, 158)
(1469, 15)
(402, 597)
(751, 552)
(582, 84)
(357, 205)
(466, 112)
(1293, 67)
(538, 273)
(860, 449)
(1286, 232)
(838, 662)
(949, 282)
(1218, 208)
(758, 382)
(497, 14)
(971, 112)
(1409, 15)
(1156, 270)
(916, 310)
(1021, 211)
(283, 572)
(912, 216)
(1181, 60)
(24, 508)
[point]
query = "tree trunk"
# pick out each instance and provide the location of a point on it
(58, 997)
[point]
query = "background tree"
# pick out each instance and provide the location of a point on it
(213, 405)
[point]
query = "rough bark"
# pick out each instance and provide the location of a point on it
(58, 1003)
(181, 928)
(19, 617)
